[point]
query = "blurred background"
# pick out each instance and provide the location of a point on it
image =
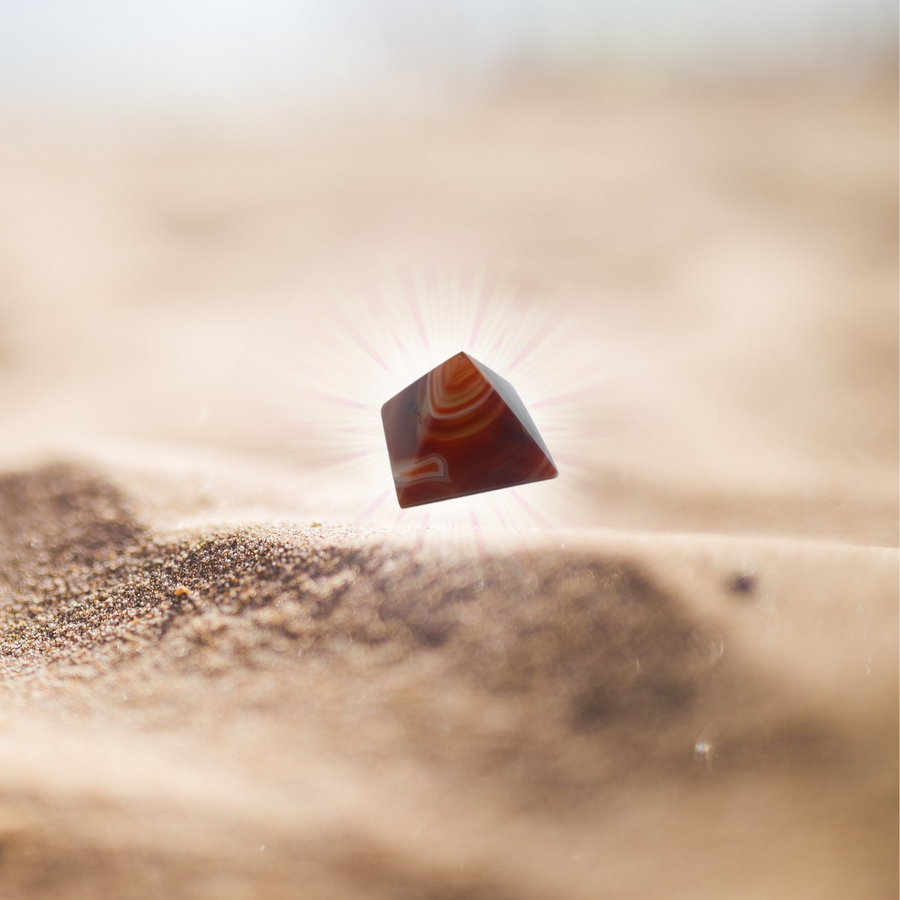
(237, 58)
(705, 192)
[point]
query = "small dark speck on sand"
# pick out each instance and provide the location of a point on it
(742, 583)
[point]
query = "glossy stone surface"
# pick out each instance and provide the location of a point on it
(461, 429)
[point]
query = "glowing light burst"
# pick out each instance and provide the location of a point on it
(365, 350)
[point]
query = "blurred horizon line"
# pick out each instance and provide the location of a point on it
(298, 110)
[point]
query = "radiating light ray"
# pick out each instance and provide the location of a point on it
(365, 350)
(532, 512)
(369, 511)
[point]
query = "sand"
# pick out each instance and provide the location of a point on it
(226, 673)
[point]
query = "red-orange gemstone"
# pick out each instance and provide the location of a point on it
(461, 429)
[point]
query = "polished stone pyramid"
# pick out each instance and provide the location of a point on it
(461, 429)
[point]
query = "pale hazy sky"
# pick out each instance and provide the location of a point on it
(190, 55)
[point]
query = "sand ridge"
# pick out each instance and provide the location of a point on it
(537, 688)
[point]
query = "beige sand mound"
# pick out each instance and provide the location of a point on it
(315, 712)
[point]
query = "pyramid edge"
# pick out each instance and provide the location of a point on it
(505, 390)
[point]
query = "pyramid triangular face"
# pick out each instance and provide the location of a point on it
(461, 429)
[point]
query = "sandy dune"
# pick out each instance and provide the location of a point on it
(229, 670)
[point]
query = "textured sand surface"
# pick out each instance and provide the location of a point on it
(690, 689)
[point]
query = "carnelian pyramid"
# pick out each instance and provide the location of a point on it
(461, 429)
